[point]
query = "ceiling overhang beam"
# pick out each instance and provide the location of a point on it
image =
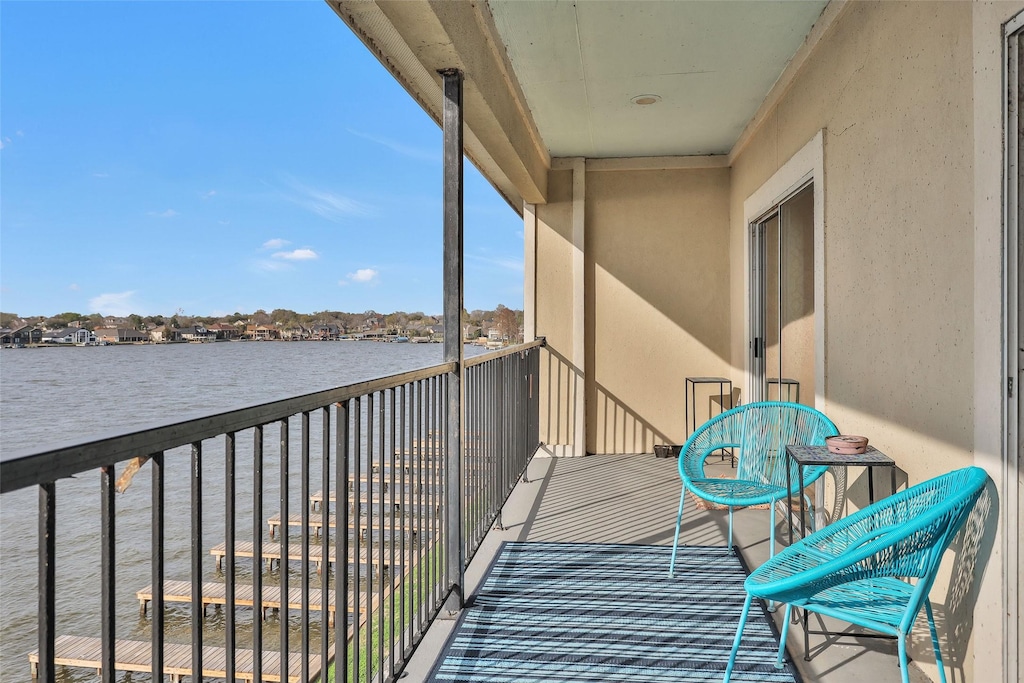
(416, 40)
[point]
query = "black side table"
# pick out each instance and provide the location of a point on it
(690, 387)
(792, 387)
(805, 456)
(691, 397)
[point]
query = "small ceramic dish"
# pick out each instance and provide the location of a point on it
(846, 444)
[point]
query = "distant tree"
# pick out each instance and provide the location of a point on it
(135, 321)
(7, 318)
(505, 321)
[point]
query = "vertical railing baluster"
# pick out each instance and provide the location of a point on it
(257, 553)
(156, 553)
(368, 584)
(230, 635)
(500, 456)
(471, 471)
(285, 551)
(357, 444)
(197, 560)
(381, 433)
(418, 512)
(107, 553)
(438, 453)
(47, 580)
(407, 550)
(340, 596)
(391, 535)
(342, 564)
(304, 560)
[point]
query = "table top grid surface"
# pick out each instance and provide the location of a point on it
(820, 455)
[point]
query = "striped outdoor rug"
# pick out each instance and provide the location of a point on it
(592, 613)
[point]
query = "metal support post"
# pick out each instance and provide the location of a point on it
(453, 267)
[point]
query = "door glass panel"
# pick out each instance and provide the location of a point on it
(782, 301)
(796, 283)
(772, 355)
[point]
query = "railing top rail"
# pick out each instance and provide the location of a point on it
(494, 355)
(22, 469)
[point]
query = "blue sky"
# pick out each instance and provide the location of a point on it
(223, 156)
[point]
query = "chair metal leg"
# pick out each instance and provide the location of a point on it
(782, 638)
(675, 541)
(739, 636)
(771, 532)
(730, 527)
(902, 643)
(935, 640)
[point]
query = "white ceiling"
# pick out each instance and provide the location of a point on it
(712, 62)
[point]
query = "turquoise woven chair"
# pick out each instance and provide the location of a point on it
(873, 568)
(760, 432)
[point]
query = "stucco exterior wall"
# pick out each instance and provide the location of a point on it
(657, 283)
(892, 88)
(554, 284)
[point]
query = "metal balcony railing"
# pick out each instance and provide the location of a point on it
(359, 532)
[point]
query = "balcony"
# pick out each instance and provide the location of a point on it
(633, 499)
(403, 572)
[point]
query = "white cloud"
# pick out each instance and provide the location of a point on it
(100, 174)
(119, 304)
(363, 275)
(275, 243)
(296, 255)
(74, 287)
(329, 205)
(169, 213)
(267, 266)
(211, 193)
(400, 148)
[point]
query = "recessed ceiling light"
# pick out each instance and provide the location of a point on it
(644, 100)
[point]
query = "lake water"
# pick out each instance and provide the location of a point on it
(61, 395)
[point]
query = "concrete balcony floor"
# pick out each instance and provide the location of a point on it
(633, 499)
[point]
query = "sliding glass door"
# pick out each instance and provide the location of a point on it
(782, 344)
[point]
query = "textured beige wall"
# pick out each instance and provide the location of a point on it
(657, 282)
(891, 85)
(559, 379)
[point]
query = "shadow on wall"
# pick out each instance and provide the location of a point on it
(562, 383)
(954, 617)
(621, 429)
(616, 427)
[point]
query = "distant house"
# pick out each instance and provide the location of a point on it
(120, 335)
(261, 332)
(163, 333)
(20, 335)
(115, 321)
(197, 333)
(68, 335)
(224, 331)
(324, 332)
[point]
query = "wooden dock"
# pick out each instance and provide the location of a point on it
(316, 524)
(137, 655)
(272, 552)
(216, 594)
